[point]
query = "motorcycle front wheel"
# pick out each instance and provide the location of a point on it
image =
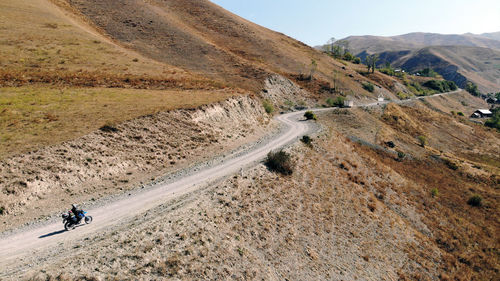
(88, 219)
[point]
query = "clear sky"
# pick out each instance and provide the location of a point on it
(315, 21)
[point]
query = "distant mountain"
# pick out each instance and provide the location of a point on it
(493, 35)
(377, 44)
(459, 58)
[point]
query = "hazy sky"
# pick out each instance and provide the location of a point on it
(315, 21)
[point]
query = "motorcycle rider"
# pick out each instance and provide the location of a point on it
(77, 212)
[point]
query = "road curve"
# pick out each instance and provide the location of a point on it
(30, 242)
(34, 241)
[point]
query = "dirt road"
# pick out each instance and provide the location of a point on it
(34, 241)
(41, 239)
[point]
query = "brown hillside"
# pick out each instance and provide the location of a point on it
(200, 36)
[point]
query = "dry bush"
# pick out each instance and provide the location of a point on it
(279, 161)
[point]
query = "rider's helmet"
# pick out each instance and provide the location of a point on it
(74, 206)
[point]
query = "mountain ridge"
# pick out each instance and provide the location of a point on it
(459, 58)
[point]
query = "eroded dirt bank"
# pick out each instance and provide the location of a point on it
(120, 157)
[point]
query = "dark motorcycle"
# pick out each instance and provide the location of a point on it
(71, 220)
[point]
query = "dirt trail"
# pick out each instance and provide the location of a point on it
(33, 241)
(29, 243)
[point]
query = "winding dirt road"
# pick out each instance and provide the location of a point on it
(34, 241)
(30, 243)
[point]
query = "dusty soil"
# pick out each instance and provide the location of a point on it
(39, 183)
(317, 224)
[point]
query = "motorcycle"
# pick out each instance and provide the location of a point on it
(70, 220)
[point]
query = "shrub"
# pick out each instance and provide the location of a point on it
(494, 122)
(348, 56)
(472, 89)
(338, 101)
(434, 192)
(460, 113)
(268, 107)
(2, 210)
(306, 139)
(109, 128)
(369, 87)
(309, 115)
(422, 141)
(475, 200)
(356, 60)
(402, 95)
(401, 155)
(280, 162)
(450, 164)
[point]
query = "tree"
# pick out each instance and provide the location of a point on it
(314, 66)
(344, 45)
(335, 76)
(371, 61)
(337, 51)
(330, 43)
(472, 88)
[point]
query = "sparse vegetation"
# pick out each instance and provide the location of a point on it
(109, 128)
(2, 210)
(309, 115)
(422, 140)
(306, 140)
(402, 95)
(280, 162)
(434, 192)
(338, 101)
(55, 114)
(401, 155)
(369, 87)
(268, 106)
(475, 200)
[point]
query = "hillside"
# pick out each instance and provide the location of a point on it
(459, 58)
(455, 63)
(146, 54)
(202, 38)
(158, 114)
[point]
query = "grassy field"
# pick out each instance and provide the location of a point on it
(34, 116)
(55, 41)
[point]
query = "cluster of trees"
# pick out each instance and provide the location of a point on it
(428, 72)
(391, 71)
(371, 62)
(441, 86)
(340, 50)
(494, 122)
(472, 89)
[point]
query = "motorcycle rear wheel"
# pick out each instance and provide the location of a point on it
(69, 226)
